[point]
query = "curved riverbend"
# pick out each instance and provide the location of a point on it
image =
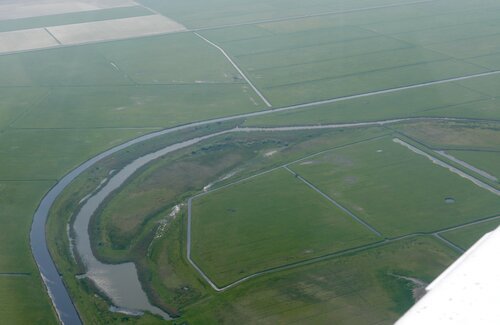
(57, 291)
(119, 282)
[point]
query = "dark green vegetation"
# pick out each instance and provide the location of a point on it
(60, 107)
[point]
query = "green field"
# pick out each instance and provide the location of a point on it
(395, 190)
(420, 102)
(62, 106)
(355, 289)
(265, 222)
(467, 236)
(22, 297)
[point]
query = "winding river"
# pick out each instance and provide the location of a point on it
(120, 282)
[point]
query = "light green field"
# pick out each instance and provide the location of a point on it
(138, 106)
(265, 222)
(467, 236)
(313, 58)
(49, 154)
(420, 102)
(169, 59)
(395, 190)
(18, 201)
(355, 289)
(23, 301)
(22, 297)
(319, 76)
(17, 102)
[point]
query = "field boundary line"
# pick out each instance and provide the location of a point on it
(468, 224)
(262, 97)
(449, 243)
(338, 205)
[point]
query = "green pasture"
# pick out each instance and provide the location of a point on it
(18, 201)
(59, 107)
(419, 102)
(396, 190)
(17, 102)
(354, 289)
(23, 300)
(169, 59)
(34, 154)
(468, 236)
(139, 106)
(265, 222)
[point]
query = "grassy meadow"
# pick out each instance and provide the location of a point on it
(395, 190)
(467, 236)
(265, 222)
(360, 288)
(59, 107)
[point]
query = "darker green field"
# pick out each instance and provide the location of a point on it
(467, 236)
(265, 222)
(354, 289)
